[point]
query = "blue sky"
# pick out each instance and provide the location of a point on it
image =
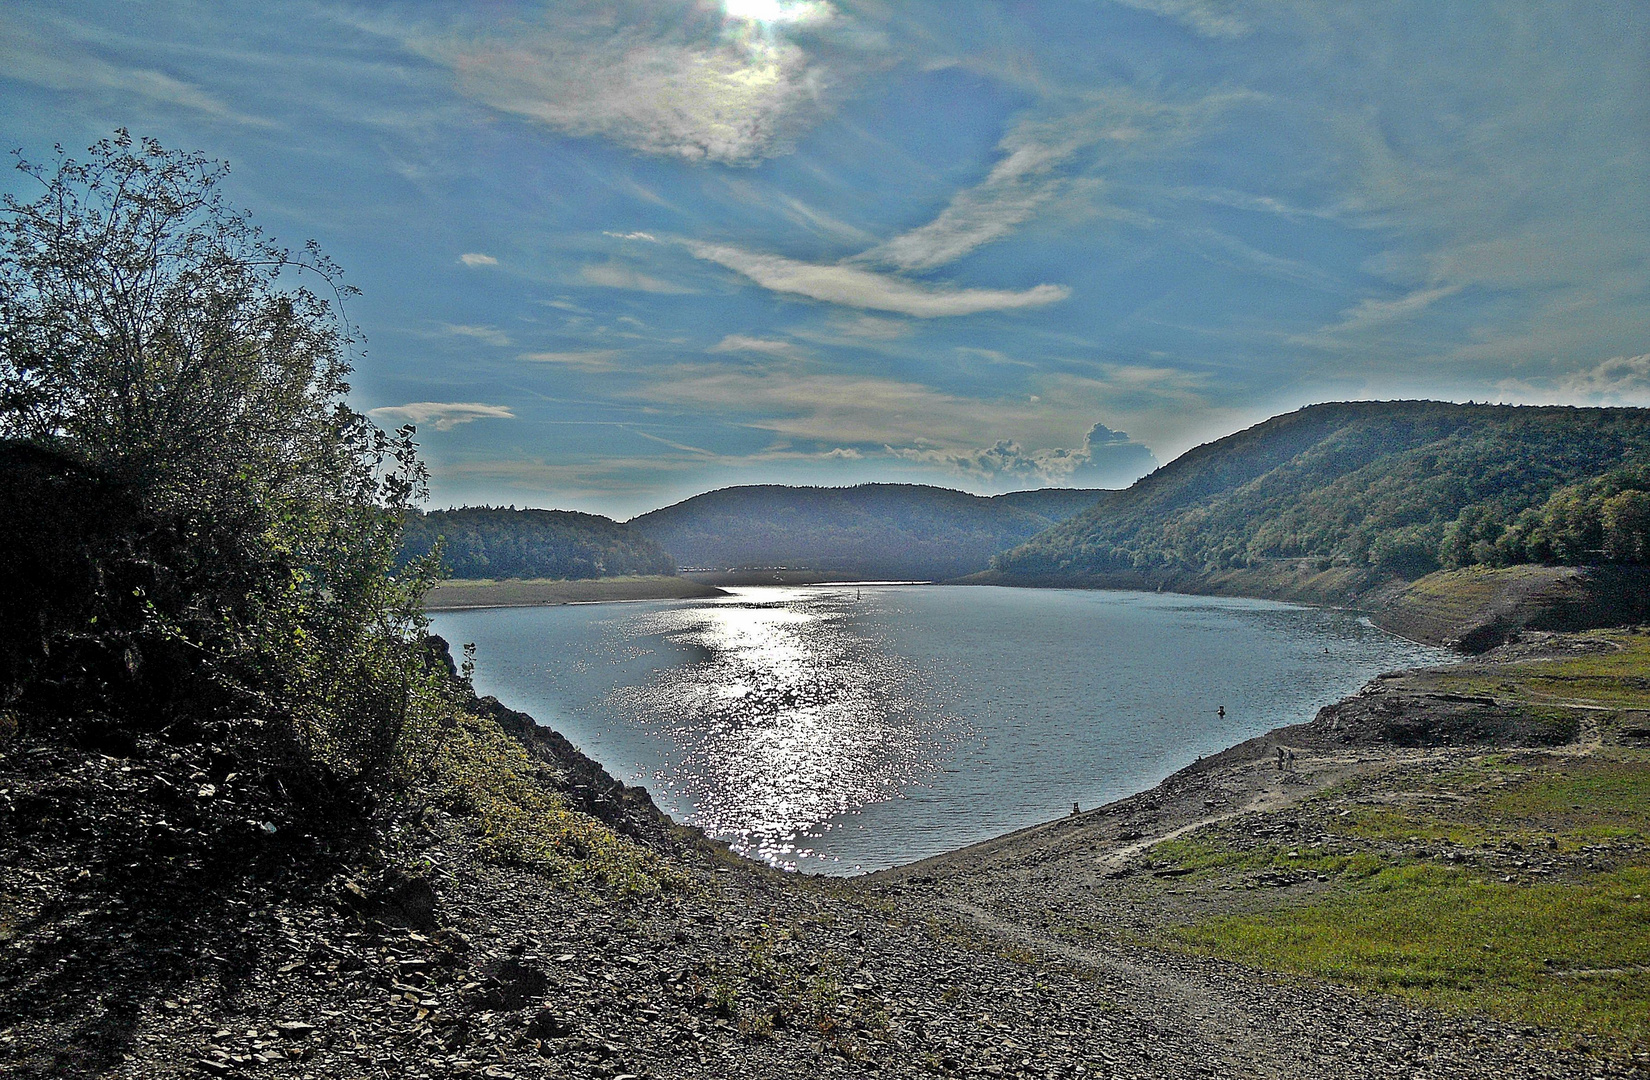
(616, 254)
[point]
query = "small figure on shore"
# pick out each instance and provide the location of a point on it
(1280, 759)
(1221, 712)
(1289, 761)
(1074, 810)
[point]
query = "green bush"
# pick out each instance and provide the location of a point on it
(159, 355)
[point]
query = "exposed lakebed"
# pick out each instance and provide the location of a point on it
(850, 728)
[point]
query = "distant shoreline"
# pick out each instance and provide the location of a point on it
(470, 595)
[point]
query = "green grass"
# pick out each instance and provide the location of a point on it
(1447, 938)
(1208, 857)
(1617, 679)
(1571, 953)
(470, 766)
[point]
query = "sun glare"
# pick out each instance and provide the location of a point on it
(773, 12)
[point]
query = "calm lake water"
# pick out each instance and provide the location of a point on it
(843, 729)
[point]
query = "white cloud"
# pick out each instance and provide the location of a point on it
(1107, 459)
(1620, 380)
(870, 327)
(476, 258)
(734, 343)
(687, 80)
(593, 360)
(617, 276)
(1371, 313)
(1038, 154)
(492, 335)
(1015, 189)
(445, 415)
(55, 61)
(856, 287)
(1210, 18)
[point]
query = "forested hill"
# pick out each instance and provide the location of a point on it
(493, 542)
(890, 531)
(1404, 487)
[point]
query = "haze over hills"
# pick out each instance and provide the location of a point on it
(1398, 488)
(888, 531)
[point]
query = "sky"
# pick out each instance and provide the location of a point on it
(615, 254)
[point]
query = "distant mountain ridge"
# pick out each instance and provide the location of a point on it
(1399, 489)
(495, 542)
(888, 531)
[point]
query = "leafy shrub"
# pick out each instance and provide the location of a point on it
(161, 359)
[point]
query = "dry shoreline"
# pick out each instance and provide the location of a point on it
(468, 595)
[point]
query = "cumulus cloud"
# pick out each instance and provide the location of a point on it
(1620, 380)
(1617, 377)
(476, 258)
(445, 415)
(853, 286)
(1210, 18)
(703, 82)
(1107, 459)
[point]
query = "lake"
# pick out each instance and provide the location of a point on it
(845, 728)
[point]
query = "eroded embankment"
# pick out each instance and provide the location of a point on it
(1473, 609)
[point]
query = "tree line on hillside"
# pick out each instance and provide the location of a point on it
(493, 542)
(1405, 487)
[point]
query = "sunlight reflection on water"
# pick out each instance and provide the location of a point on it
(792, 715)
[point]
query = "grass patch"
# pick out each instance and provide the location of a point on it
(1559, 955)
(1617, 678)
(1207, 856)
(469, 765)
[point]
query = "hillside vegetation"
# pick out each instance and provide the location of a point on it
(494, 542)
(873, 530)
(1399, 488)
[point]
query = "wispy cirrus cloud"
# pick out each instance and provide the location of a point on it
(444, 415)
(588, 360)
(60, 62)
(854, 286)
(743, 343)
(492, 335)
(1371, 313)
(1041, 155)
(476, 258)
(614, 275)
